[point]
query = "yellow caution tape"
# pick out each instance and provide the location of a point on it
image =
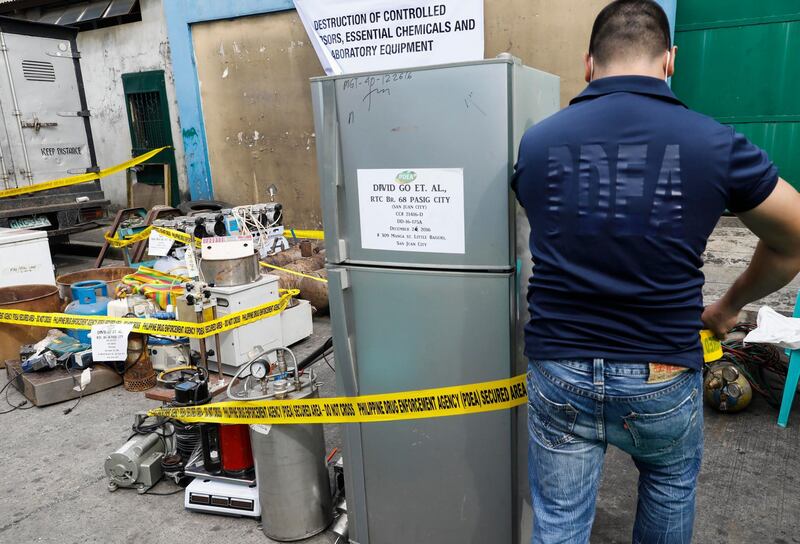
(712, 347)
(184, 238)
(310, 234)
(117, 242)
(294, 272)
(152, 326)
(445, 401)
(81, 178)
(428, 403)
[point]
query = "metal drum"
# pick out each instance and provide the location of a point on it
(112, 275)
(231, 272)
(293, 482)
(32, 298)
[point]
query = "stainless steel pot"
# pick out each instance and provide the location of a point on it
(231, 272)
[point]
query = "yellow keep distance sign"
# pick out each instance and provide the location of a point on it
(422, 404)
(152, 326)
(82, 178)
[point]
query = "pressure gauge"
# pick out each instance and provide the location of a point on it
(258, 370)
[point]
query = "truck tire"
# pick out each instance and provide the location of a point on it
(202, 206)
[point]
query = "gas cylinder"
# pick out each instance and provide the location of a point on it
(88, 298)
(726, 388)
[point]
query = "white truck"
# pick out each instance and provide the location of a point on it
(45, 130)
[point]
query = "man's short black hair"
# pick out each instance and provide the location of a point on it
(627, 29)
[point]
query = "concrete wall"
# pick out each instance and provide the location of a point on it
(253, 79)
(256, 99)
(108, 53)
(551, 36)
(252, 107)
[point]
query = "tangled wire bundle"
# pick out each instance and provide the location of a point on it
(761, 364)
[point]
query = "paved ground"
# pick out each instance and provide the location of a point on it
(749, 490)
(53, 490)
(52, 484)
(727, 255)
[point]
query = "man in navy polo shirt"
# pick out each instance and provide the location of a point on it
(622, 190)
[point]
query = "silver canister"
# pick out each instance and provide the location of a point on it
(231, 272)
(293, 481)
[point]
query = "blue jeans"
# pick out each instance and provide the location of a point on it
(577, 408)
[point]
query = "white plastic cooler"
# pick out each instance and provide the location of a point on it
(25, 258)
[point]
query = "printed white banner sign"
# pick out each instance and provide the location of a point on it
(412, 210)
(364, 35)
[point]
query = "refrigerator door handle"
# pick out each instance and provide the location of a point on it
(331, 174)
(340, 290)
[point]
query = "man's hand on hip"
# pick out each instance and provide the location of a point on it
(720, 318)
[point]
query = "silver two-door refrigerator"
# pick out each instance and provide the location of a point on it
(427, 267)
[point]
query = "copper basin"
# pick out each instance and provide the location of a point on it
(33, 298)
(112, 275)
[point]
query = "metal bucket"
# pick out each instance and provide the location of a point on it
(33, 298)
(112, 275)
(231, 272)
(293, 481)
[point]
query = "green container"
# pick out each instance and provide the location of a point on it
(738, 62)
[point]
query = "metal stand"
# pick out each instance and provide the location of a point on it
(203, 350)
(218, 348)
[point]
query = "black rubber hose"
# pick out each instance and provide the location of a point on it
(315, 355)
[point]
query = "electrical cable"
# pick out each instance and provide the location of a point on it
(160, 422)
(153, 428)
(4, 388)
(172, 383)
(761, 364)
(80, 396)
(17, 406)
(324, 356)
(6, 385)
(316, 355)
(179, 490)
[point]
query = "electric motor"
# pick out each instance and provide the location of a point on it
(136, 464)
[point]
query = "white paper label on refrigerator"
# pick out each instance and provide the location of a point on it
(413, 209)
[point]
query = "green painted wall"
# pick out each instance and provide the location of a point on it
(740, 63)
